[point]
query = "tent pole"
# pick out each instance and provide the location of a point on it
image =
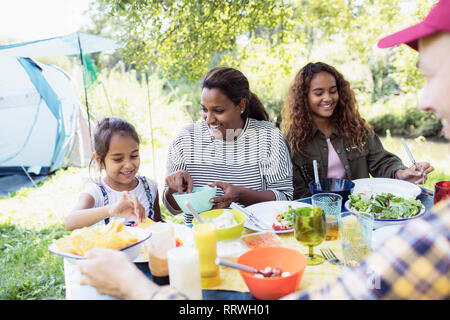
(85, 89)
(107, 99)
(29, 177)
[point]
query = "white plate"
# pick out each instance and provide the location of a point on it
(182, 232)
(131, 250)
(382, 234)
(397, 187)
(268, 211)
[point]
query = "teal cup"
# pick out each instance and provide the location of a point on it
(199, 199)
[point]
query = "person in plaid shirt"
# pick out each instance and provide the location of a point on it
(413, 264)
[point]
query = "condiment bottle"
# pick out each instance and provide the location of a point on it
(161, 241)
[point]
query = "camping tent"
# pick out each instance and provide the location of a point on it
(42, 126)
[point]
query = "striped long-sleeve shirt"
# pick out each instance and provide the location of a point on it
(258, 159)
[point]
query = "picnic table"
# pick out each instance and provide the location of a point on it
(232, 286)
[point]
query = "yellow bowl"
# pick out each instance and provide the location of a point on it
(226, 233)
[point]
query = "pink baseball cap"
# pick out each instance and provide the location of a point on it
(437, 20)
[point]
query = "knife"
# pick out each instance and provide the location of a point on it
(408, 152)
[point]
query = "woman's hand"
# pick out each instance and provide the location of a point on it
(231, 194)
(112, 273)
(180, 181)
(413, 175)
(129, 208)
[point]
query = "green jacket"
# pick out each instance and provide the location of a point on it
(373, 160)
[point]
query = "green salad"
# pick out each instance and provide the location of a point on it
(284, 220)
(386, 206)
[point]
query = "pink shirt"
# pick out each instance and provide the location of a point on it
(335, 166)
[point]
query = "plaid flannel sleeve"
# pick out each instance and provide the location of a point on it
(414, 264)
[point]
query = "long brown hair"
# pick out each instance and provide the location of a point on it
(297, 121)
(235, 86)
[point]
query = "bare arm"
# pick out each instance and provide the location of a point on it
(84, 214)
(156, 209)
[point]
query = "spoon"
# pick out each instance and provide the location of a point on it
(194, 213)
(316, 176)
(273, 272)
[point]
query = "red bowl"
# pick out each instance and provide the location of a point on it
(271, 288)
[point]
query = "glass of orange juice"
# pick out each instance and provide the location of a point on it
(205, 238)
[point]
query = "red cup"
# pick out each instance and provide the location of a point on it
(441, 191)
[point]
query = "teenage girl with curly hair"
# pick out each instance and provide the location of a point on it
(321, 122)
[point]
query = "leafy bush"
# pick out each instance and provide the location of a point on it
(413, 123)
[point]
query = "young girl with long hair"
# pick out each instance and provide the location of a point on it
(121, 192)
(321, 122)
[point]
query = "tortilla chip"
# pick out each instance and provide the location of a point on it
(112, 236)
(147, 223)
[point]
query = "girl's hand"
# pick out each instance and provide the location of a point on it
(413, 175)
(129, 208)
(231, 194)
(180, 182)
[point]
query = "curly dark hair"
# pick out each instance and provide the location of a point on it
(297, 115)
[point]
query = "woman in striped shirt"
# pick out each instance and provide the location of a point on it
(234, 148)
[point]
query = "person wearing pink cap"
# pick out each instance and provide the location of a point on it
(413, 264)
(431, 38)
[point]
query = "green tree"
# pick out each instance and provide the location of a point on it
(182, 36)
(269, 41)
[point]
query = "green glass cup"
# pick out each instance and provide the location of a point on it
(310, 230)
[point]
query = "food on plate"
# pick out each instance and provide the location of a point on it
(386, 205)
(147, 223)
(283, 221)
(112, 236)
(261, 239)
(178, 242)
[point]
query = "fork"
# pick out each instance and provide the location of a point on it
(257, 222)
(330, 256)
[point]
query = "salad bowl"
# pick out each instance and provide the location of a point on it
(387, 209)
